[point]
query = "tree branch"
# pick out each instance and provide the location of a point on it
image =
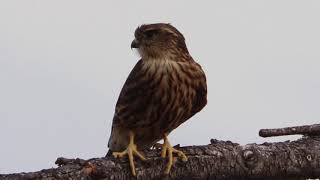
(310, 130)
(298, 159)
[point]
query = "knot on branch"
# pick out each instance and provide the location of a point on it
(250, 157)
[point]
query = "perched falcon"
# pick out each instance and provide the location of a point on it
(164, 89)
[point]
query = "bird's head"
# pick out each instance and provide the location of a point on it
(159, 41)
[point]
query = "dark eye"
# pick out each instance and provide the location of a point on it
(150, 33)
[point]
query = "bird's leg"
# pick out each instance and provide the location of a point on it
(168, 150)
(130, 151)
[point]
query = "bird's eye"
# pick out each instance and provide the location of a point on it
(150, 33)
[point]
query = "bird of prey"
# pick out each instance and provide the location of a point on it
(164, 89)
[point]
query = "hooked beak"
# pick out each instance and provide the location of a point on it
(135, 44)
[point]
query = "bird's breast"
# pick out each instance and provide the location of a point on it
(170, 92)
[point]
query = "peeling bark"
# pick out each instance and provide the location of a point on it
(219, 160)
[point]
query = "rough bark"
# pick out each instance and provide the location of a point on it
(310, 130)
(298, 159)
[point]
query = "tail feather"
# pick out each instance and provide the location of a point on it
(109, 153)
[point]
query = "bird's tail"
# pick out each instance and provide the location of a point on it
(109, 153)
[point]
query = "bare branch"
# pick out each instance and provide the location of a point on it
(310, 130)
(298, 159)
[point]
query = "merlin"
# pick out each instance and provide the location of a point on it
(164, 89)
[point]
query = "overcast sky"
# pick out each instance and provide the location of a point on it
(63, 64)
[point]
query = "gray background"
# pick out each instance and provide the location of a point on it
(63, 63)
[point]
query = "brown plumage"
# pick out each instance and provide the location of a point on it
(164, 89)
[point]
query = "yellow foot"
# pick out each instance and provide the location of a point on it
(168, 150)
(130, 151)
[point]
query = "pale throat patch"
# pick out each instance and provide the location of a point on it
(161, 65)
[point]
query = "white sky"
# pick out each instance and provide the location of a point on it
(63, 63)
